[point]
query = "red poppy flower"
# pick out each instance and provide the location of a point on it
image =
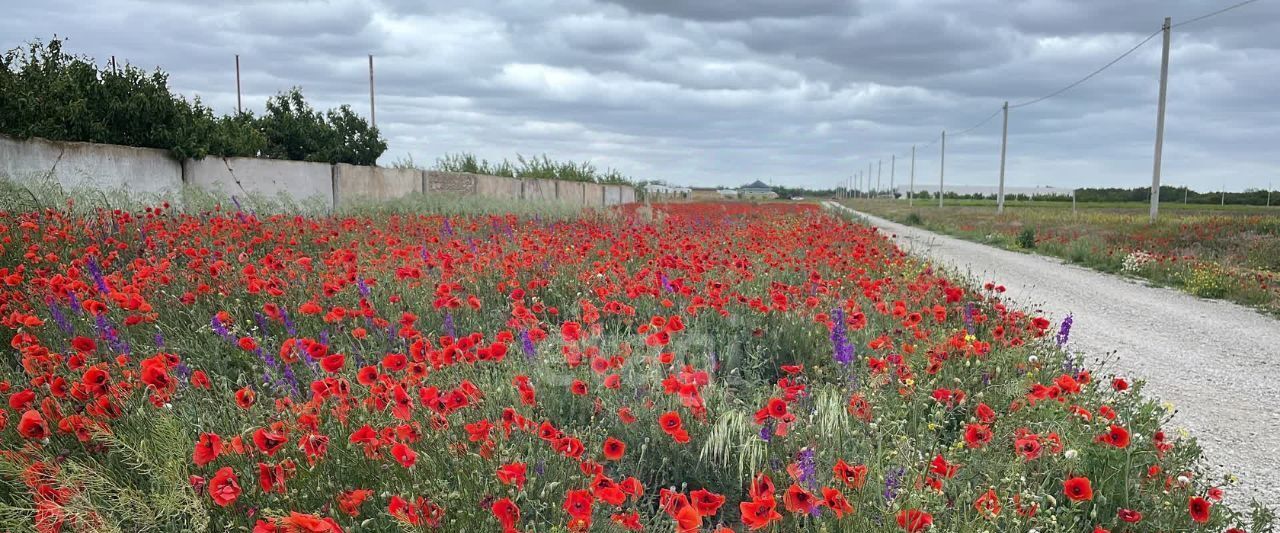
(271, 478)
(245, 397)
(706, 502)
(224, 487)
(404, 455)
(800, 501)
(1078, 489)
(333, 363)
(208, 447)
(350, 501)
(507, 513)
(914, 520)
(614, 449)
(1199, 509)
(758, 514)
(988, 504)
(512, 474)
(32, 425)
(578, 504)
(1115, 436)
(1129, 515)
(268, 442)
(977, 435)
(835, 500)
(853, 476)
(670, 422)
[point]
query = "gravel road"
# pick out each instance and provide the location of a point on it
(1218, 363)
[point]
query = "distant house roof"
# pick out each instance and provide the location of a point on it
(757, 185)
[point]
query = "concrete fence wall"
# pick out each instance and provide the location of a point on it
(98, 166)
(150, 171)
(352, 183)
(612, 194)
(297, 180)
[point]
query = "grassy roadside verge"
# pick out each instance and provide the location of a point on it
(1230, 254)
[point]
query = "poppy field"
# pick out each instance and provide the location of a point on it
(685, 367)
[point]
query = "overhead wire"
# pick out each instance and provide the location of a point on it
(1098, 71)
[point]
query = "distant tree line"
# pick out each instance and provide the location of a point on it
(49, 93)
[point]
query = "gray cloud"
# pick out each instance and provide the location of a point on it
(720, 92)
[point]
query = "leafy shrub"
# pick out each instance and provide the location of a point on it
(55, 95)
(539, 167)
(1027, 238)
(913, 219)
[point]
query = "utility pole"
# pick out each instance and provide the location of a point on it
(1004, 145)
(239, 108)
(1185, 192)
(879, 172)
(893, 161)
(911, 190)
(1164, 85)
(942, 167)
(1224, 194)
(1268, 194)
(373, 117)
(869, 167)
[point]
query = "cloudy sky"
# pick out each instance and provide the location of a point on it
(722, 92)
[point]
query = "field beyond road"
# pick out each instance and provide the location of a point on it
(1226, 252)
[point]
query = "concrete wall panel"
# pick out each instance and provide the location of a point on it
(593, 195)
(612, 194)
(540, 190)
(353, 182)
(105, 167)
(570, 192)
(498, 187)
(628, 195)
(298, 180)
(448, 183)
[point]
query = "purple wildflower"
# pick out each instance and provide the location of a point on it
(843, 351)
(448, 325)
(364, 288)
(968, 317)
(95, 270)
(447, 228)
(61, 319)
(766, 431)
(1064, 331)
(527, 346)
(808, 468)
(219, 328)
(892, 480)
(288, 322)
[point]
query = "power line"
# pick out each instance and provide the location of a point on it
(980, 123)
(1213, 14)
(1091, 74)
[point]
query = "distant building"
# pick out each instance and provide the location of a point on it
(666, 191)
(756, 190)
(728, 193)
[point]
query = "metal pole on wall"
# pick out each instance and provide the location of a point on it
(373, 117)
(1164, 84)
(942, 167)
(893, 161)
(879, 172)
(1004, 144)
(911, 190)
(239, 108)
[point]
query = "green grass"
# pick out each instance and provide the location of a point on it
(1227, 252)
